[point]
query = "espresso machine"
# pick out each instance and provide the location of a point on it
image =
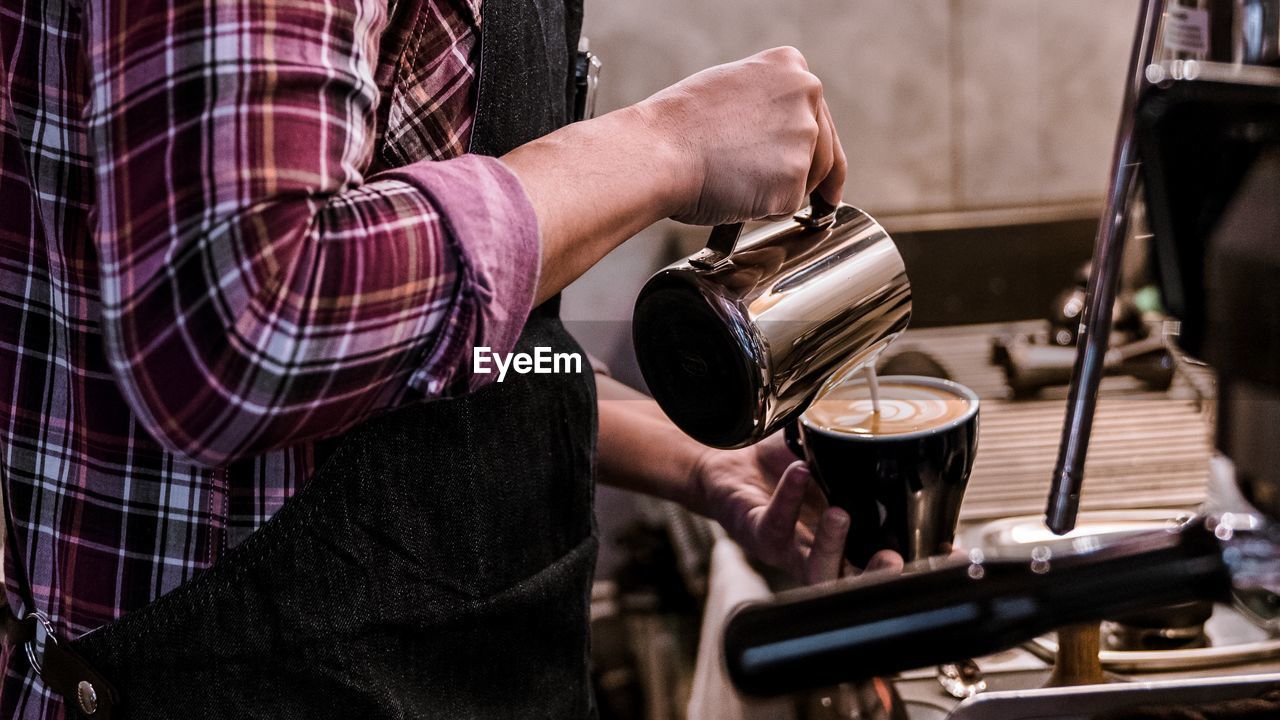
(1199, 141)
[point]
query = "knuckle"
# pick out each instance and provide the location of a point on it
(813, 84)
(788, 54)
(816, 570)
(825, 167)
(776, 529)
(828, 534)
(800, 170)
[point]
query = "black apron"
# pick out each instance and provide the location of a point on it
(439, 563)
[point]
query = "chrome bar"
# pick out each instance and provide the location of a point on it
(1095, 325)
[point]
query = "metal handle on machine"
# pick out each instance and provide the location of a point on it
(724, 238)
(1095, 324)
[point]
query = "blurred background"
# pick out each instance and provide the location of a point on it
(978, 132)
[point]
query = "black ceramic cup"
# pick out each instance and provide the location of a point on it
(902, 491)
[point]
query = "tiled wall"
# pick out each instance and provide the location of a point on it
(941, 104)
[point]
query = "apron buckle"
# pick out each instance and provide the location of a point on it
(41, 635)
(60, 668)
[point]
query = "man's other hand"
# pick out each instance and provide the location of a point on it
(767, 501)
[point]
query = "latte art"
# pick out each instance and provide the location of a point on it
(904, 408)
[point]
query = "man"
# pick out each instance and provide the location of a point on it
(247, 250)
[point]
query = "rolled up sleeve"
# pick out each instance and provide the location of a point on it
(482, 203)
(258, 289)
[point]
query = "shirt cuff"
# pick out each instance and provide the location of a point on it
(492, 226)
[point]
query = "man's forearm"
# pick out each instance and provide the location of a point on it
(594, 184)
(641, 450)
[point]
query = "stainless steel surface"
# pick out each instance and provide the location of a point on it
(962, 679)
(1093, 529)
(1131, 638)
(1095, 325)
(794, 303)
(1256, 32)
(1088, 701)
(1257, 75)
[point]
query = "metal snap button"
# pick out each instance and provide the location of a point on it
(87, 696)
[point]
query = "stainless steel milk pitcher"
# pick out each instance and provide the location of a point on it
(735, 340)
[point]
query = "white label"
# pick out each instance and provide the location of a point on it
(1186, 30)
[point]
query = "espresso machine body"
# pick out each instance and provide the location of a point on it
(1175, 40)
(735, 340)
(1211, 151)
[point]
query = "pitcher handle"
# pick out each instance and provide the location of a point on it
(724, 238)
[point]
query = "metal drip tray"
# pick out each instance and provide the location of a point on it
(1232, 640)
(1088, 701)
(1235, 642)
(1093, 529)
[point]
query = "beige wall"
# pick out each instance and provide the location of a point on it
(941, 104)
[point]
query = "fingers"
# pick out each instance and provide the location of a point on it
(823, 150)
(826, 556)
(827, 165)
(778, 524)
(885, 560)
(831, 186)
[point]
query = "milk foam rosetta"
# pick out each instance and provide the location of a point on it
(904, 408)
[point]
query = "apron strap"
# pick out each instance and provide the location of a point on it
(61, 669)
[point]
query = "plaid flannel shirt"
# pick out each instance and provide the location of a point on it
(228, 228)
